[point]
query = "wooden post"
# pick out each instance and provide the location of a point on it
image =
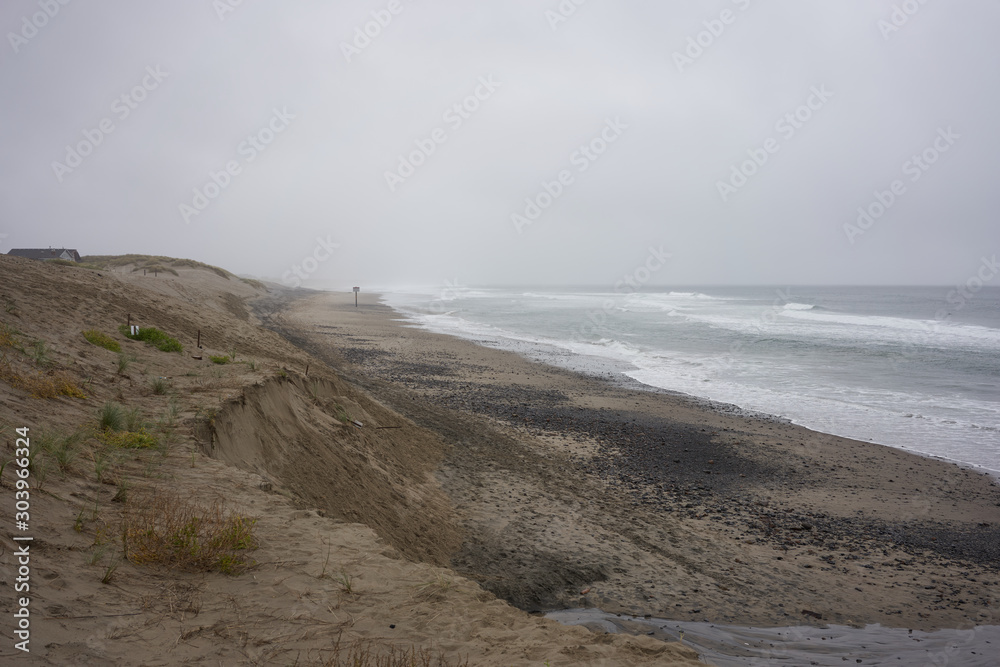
(199, 339)
(307, 369)
(129, 323)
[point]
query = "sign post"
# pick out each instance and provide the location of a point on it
(356, 290)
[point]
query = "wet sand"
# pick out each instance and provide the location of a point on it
(578, 491)
(736, 646)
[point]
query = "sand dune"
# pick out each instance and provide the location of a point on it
(352, 525)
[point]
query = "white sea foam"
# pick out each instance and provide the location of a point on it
(913, 383)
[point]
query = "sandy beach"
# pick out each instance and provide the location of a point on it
(576, 491)
(419, 497)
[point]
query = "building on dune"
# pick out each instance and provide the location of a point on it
(68, 254)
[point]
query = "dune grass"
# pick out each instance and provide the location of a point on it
(379, 653)
(149, 262)
(38, 384)
(100, 339)
(164, 528)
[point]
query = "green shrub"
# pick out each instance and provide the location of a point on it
(221, 359)
(141, 439)
(102, 340)
(154, 337)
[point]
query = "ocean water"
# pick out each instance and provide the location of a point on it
(916, 368)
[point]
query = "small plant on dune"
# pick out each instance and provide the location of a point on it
(8, 336)
(124, 361)
(78, 524)
(341, 415)
(96, 554)
(159, 386)
(346, 582)
(62, 448)
(40, 353)
(219, 359)
(158, 339)
(111, 417)
(323, 574)
(251, 364)
(121, 494)
(109, 571)
(102, 461)
(232, 353)
(65, 454)
(132, 420)
(10, 307)
(99, 339)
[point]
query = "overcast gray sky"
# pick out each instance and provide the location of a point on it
(667, 97)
